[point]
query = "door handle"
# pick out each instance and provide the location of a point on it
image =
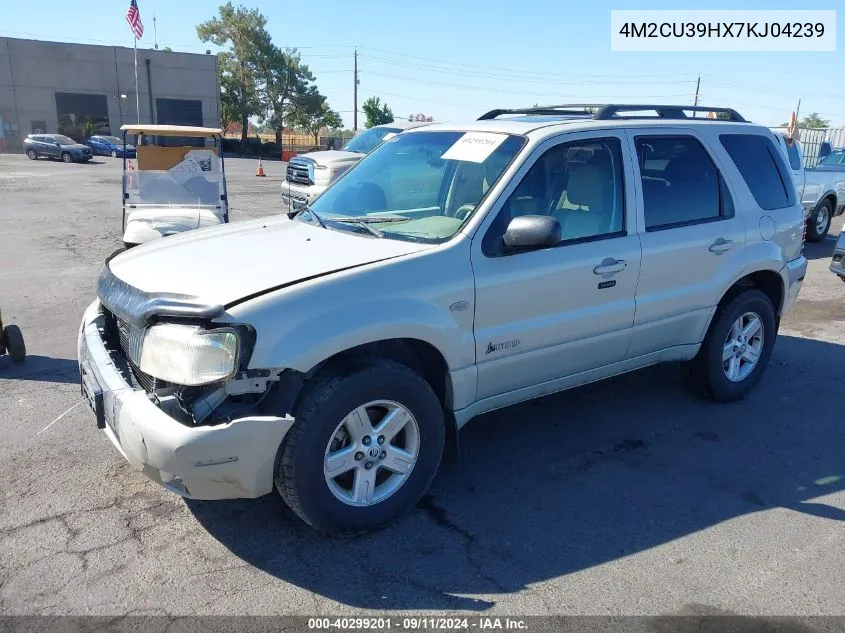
(610, 266)
(721, 245)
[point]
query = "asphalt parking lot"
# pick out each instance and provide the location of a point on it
(632, 496)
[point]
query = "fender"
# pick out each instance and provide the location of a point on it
(311, 342)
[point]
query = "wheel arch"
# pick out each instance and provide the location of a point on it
(769, 281)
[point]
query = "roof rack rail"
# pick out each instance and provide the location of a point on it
(612, 111)
(604, 112)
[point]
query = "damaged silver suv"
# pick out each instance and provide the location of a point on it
(455, 270)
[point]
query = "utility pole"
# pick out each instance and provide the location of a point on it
(695, 103)
(355, 96)
(155, 32)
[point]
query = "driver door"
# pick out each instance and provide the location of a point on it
(543, 316)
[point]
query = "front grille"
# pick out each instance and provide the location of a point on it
(124, 341)
(298, 172)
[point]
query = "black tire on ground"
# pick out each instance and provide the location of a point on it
(13, 340)
(706, 371)
(31, 154)
(66, 157)
(324, 403)
(822, 213)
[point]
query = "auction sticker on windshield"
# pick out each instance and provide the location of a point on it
(474, 147)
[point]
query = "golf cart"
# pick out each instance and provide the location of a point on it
(11, 341)
(176, 182)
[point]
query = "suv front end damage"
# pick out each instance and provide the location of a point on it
(171, 390)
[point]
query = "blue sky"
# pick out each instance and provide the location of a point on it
(455, 59)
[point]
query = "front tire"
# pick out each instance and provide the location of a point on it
(66, 157)
(737, 348)
(13, 339)
(818, 224)
(32, 154)
(366, 444)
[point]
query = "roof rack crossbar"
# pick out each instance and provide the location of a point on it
(604, 112)
(541, 110)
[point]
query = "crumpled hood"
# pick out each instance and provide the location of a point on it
(330, 157)
(226, 263)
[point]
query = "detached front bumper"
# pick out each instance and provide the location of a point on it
(295, 196)
(225, 461)
(837, 264)
(793, 276)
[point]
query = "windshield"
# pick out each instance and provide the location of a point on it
(64, 140)
(833, 159)
(112, 139)
(419, 186)
(196, 180)
(368, 140)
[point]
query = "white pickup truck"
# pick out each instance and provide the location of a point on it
(309, 175)
(822, 192)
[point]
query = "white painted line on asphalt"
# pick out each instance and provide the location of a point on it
(60, 417)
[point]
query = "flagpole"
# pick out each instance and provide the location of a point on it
(137, 98)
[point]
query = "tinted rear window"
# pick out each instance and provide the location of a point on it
(763, 168)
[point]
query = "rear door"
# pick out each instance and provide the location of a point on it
(692, 238)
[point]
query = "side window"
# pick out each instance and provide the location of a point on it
(681, 184)
(578, 183)
(762, 168)
(794, 158)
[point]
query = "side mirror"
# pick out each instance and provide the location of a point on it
(532, 231)
(824, 149)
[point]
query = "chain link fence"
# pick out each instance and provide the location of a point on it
(811, 140)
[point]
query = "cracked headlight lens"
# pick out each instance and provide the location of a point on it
(189, 355)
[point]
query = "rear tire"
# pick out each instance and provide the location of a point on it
(710, 371)
(328, 424)
(31, 154)
(13, 339)
(66, 157)
(818, 224)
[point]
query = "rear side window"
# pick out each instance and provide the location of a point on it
(794, 158)
(763, 169)
(681, 184)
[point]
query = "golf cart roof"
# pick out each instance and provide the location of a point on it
(171, 130)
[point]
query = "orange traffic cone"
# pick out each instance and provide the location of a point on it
(260, 171)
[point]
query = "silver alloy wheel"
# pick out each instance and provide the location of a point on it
(371, 453)
(743, 347)
(114, 153)
(67, 157)
(821, 220)
(31, 155)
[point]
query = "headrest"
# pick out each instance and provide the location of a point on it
(587, 186)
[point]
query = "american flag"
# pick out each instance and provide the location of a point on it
(133, 16)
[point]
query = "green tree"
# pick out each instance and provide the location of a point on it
(285, 78)
(814, 120)
(311, 113)
(376, 112)
(243, 30)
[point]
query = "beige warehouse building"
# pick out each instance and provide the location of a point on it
(80, 89)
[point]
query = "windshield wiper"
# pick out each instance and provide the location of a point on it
(372, 219)
(361, 223)
(296, 212)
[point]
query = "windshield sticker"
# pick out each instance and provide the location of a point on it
(474, 147)
(184, 171)
(206, 159)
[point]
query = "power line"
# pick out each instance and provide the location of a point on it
(520, 77)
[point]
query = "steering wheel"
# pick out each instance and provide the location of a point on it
(463, 211)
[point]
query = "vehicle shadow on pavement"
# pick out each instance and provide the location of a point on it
(821, 250)
(571, 481)
(40, 369)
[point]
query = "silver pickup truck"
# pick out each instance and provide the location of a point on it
(822, 190)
